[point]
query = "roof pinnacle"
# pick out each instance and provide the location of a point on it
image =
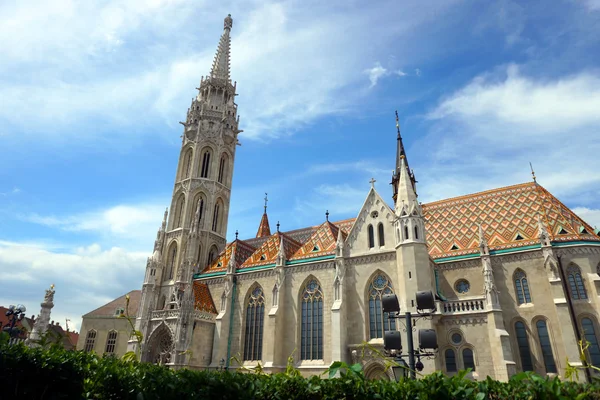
(532, 172)
(327, 215)
(266, 200)
(263, 228)
(220, 67)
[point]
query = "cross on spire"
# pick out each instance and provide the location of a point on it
(372, 182)
(532, 172)
(266, 200)
(277, 226)
(236, 234)
(327, 215)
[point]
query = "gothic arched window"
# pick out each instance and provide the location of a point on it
(171, 261)
(523, 344)
(468, 359)
(381, 234)
(311, 341)
(187, 164)
(179, 211)
(255, 312)
(576, 285)
(590, 336)
(212, 254)
(205, 164)
(521, 287)
(378, 320)
(371, 236)
(215, 223)
(416, 232)
(90, 340)
(111, 342)
(405, 232)
(222, 168)
(546, 346)
(450, 360)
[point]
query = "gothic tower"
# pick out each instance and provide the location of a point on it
(195, 231)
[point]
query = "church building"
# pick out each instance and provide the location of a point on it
(515, 273)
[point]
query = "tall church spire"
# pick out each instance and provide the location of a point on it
(406, 198)
(220, 67)
(263, 228)
(400, 155)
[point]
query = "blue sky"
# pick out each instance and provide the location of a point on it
(91, 94)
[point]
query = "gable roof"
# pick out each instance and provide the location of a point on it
(321, 243)
(508, 216)
(268, 251)
(242, 252)
(108, 310)
(203, 300)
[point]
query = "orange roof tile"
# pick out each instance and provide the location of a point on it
(267, 253)
(203, 301)
(242, 252)
(263, 228)
(321, 243)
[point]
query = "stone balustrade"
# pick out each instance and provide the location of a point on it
(462, 306)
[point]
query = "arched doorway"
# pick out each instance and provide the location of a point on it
(160, 346)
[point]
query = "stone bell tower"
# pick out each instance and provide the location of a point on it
(196, 227)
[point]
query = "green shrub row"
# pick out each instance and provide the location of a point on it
(59, 374)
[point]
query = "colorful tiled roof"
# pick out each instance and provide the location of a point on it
(203, 300)
(242, 252)
(263, 228)
(508, 216)
(321, 243)
(267, 253)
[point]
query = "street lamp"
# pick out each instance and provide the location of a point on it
(14, 314)
(400, 369)
(392, 341)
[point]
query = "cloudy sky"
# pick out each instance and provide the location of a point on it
(91, 94)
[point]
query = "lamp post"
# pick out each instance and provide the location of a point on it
(14, 314)
(427, 337)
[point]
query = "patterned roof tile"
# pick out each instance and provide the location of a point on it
(242, 251)
(321, 243)
(203, 300)
(267, 253)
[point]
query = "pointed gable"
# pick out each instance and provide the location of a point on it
(263, 228)
(321, 243)
(203, 300)
(242, 251)
(373, 211)
(508, 215)
(267, 252)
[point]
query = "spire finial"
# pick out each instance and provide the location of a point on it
(236, 234)
(220, 68)
(372, 182)
(277, 226)
(532, 172)
(327, 215)
(266, 200)
(397, 124)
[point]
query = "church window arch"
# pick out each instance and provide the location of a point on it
(199, 202)
(545, 345)
(381, 234)
(90, 340)
(379, 322)
(217, 216)
(468, 358)
(523, 346)
(212, 255)
(521, 287)
(590, 335)
(223, 164)
(576, 285)
(205, 169)
(179, 207)
(405, 232)
(171, 261)
(111, 342)
(450, 360)
(416, 232)
(187, 164)
(255, 315)
(311, 335)
(371, 236)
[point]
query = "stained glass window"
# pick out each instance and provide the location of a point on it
(255, 312)
(462, 286)
(576, 285)
(544, 339)
(450, 358)
(311, 343)
(590, 336)
(381, 234)
(371, 236)
(522, 287)
(378, 320)
(468, 359)
(523, 343)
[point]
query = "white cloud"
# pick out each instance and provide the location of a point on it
(593, 5)
(375, 73)
(591, 216)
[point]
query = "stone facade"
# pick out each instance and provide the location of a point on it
(515, 272)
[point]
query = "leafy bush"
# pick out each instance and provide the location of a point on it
(55, 373)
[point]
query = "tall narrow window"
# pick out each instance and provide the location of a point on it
(199, 255)
(523, 343)
(212, 254)
(179, 212)
(522, 287)
(311, 342)
(111, 342)
(468, 359)
(450, 359)
(380, 233)
(416, 232)
(171, 261)
(187, 163)
(222, 168)
(215, 223)
(378, 320)
(201, 207)
(90, 340)
(205, 164)
(544, 339)
(590, 336)
(576, 285)
(406, 233)
(371, 236)
(255, 312)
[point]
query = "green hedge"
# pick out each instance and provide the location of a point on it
(58, 374)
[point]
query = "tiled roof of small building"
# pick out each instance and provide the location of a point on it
(203, 300)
